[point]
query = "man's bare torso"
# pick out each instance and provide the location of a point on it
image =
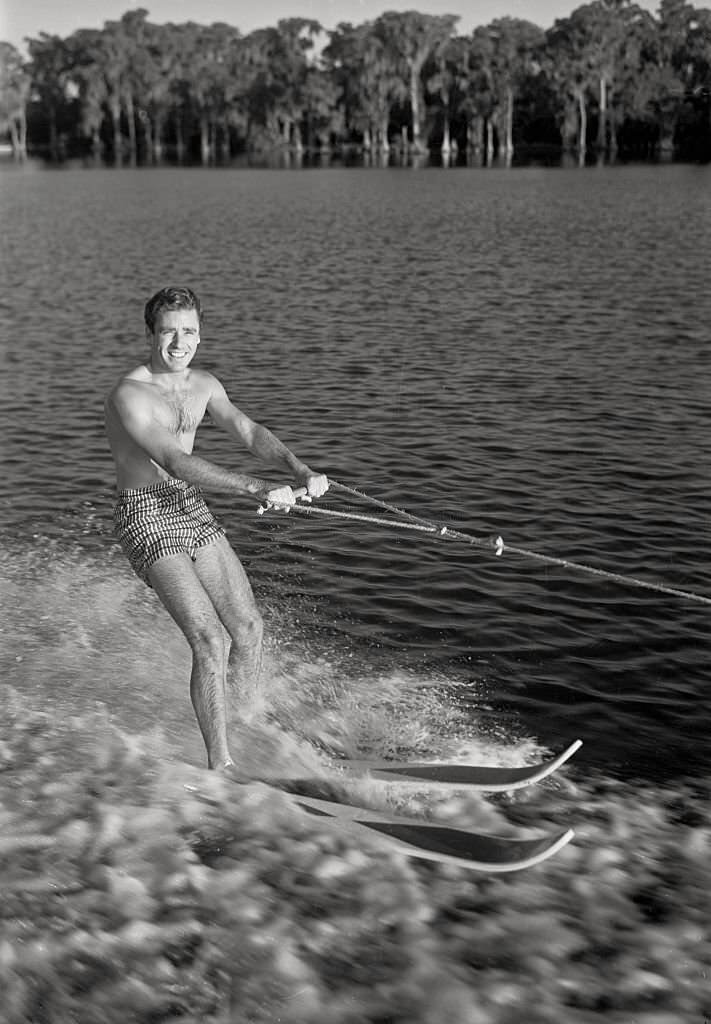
(179, 407)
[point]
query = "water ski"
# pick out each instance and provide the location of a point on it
(488, 778)
(426, 841)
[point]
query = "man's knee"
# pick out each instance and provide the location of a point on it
(207, 643)
(253, 629)
(248, 631)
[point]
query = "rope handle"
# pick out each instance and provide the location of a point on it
(300, 494)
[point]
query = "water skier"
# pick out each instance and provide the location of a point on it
(169, 535)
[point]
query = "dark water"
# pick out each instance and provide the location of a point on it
(515, 352)
(521, 353)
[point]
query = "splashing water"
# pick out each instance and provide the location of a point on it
(88, 644)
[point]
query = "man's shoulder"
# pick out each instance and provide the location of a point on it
(204, 386)
(203, 380)
(129, 389)
(138, 375)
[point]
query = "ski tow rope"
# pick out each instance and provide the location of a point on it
(408, 521)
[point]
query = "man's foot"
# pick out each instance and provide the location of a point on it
(231, 771)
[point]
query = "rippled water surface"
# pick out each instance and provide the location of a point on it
(523, 353)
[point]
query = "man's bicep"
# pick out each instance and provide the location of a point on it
(227, 416)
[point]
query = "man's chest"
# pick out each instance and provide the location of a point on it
(181, 410)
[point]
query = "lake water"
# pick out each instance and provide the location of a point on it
(517, 352)
(514, 352)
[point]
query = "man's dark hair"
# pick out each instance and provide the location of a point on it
(170, 298)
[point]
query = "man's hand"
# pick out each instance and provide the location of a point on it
(281, 497)
(316, 484)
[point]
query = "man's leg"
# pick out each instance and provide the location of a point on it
(177, 584)
(223, 577)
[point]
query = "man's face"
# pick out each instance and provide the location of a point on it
(175, 338)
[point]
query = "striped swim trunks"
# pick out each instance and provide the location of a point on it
(168, 518)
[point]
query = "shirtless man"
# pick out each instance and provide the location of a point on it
(165, 528)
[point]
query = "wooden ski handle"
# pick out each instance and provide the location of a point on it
(300, 493)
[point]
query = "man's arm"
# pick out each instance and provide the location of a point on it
(132, 408)
(262, 442)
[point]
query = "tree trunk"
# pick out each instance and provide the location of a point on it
(415, 108)
(508, 145)
(115, 110)
(14, 138)
(179, 137)
(489, 141)
(446, 140)
(22, 133)
(158, 130)
(570, 124)
(583, 128)
(18, 136)
(384, 141)
(53, 138)
(131, 119)
(148, 133)
(367, 139)
(613, 135)
(602, 123)
(204, 139)
(297, 140)
(476, 134)
(226, 150)
(667, 130)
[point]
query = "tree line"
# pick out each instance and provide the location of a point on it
(611, 78)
